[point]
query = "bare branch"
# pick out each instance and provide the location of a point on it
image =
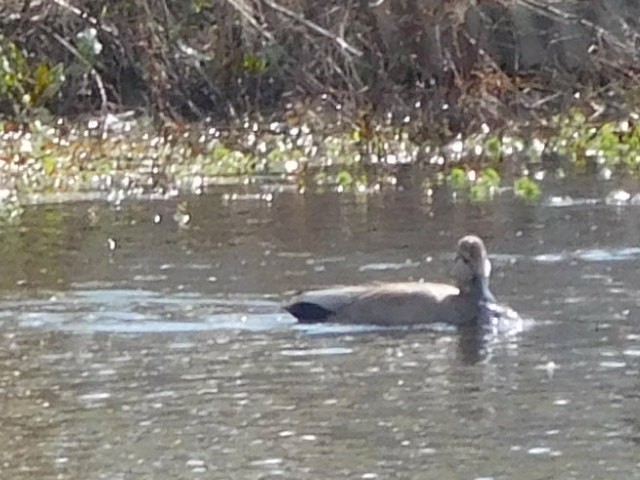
(315, 27)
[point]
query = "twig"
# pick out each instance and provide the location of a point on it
(76, 11)
(242, 8)
(74, 51)
(315, 27)
(555, 13)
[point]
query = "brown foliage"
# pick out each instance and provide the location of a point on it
(463, 61)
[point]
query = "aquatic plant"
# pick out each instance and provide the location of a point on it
(526, 189)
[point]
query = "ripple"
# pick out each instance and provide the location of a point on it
(316, 351)
(612, 364)
(267, 462)
(539, 451)
(591, 255)
(140, 311)
(388, 266)
(632, 352)
(92, 397)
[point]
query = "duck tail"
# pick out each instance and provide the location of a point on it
(307, 312)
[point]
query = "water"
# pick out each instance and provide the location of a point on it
(134, 344)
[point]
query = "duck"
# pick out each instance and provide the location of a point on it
(469, 302)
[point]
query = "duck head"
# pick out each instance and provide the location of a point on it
(472, 268)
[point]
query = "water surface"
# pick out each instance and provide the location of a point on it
(136, 344)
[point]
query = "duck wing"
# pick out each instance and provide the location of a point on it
(381, 303)
(321, 305)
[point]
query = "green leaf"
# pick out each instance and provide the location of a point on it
(344, 179)
(491, 177)
(48, 164)
(254, 64)
(493, 147)
(220, 152)
(480, 193)
(458, 179)
(526, 189)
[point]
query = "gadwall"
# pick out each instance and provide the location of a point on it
(408, 303)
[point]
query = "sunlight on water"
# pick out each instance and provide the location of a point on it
(591, 255)
(389, 266)
(170, 356)
(140, 311)
(317, 351)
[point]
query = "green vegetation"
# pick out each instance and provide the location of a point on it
(608, 144)
(125, 154)
(26, 86)
(526, 189)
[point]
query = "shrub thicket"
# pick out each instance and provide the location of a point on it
(463, 63)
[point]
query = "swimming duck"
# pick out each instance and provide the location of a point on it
(408, 303)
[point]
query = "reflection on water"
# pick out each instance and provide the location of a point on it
(169, 356)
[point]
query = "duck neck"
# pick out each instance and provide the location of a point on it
(480, 289)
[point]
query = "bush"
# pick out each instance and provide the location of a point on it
(446, 65)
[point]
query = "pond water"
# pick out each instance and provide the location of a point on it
(145, 340)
